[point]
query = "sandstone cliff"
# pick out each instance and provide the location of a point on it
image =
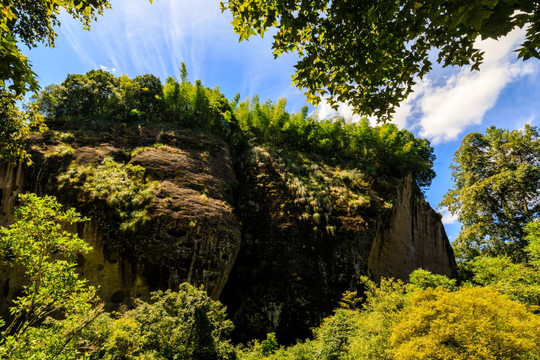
(412, 238)
(185, 232)
(278, 239)
(292, 269)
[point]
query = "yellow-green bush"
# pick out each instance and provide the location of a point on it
(471, 324)
(60, 150)
(184, 324)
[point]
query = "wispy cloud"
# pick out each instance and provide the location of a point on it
(136, 37)
(139, 37)
(70, 29)
(520, 122)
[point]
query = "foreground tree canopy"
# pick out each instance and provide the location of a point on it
(185, 324)
(38, 244)
(370, 53)
(30, 23)
(471, 323)
(495, 193)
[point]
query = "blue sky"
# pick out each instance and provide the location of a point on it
(136, 37)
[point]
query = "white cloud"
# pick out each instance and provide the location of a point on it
(400, 118)
(447, 217)
(447, 102)
(444, 112)
(325, 111)
(111, 70)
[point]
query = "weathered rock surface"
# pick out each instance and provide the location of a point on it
(413, 238)
(190, 233)
(289, 275)
(278, 261)
(11, 183)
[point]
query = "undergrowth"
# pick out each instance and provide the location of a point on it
(60, 150)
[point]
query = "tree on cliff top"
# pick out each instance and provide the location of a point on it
(496, 191)
(370, 53)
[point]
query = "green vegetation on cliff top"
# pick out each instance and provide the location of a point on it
(123, 187)
(98, 96)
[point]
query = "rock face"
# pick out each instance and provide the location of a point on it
(413, 238)
(300, 234)
(189, 232)
(11, 183)
(289, 275)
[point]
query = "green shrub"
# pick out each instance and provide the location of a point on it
(141, 149)
(124, 188)
(60, 150)
(532, 230)
(186, 324)
(520, 282)
(422, 279)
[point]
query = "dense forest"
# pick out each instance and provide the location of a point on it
(489, 310)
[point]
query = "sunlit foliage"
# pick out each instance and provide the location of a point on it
(184, 324)
(380, 150)
(423, 279)
(495, 194)
(38, 244)
(351, 333)
(532, 231)
(469, 324)
(124, 187)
